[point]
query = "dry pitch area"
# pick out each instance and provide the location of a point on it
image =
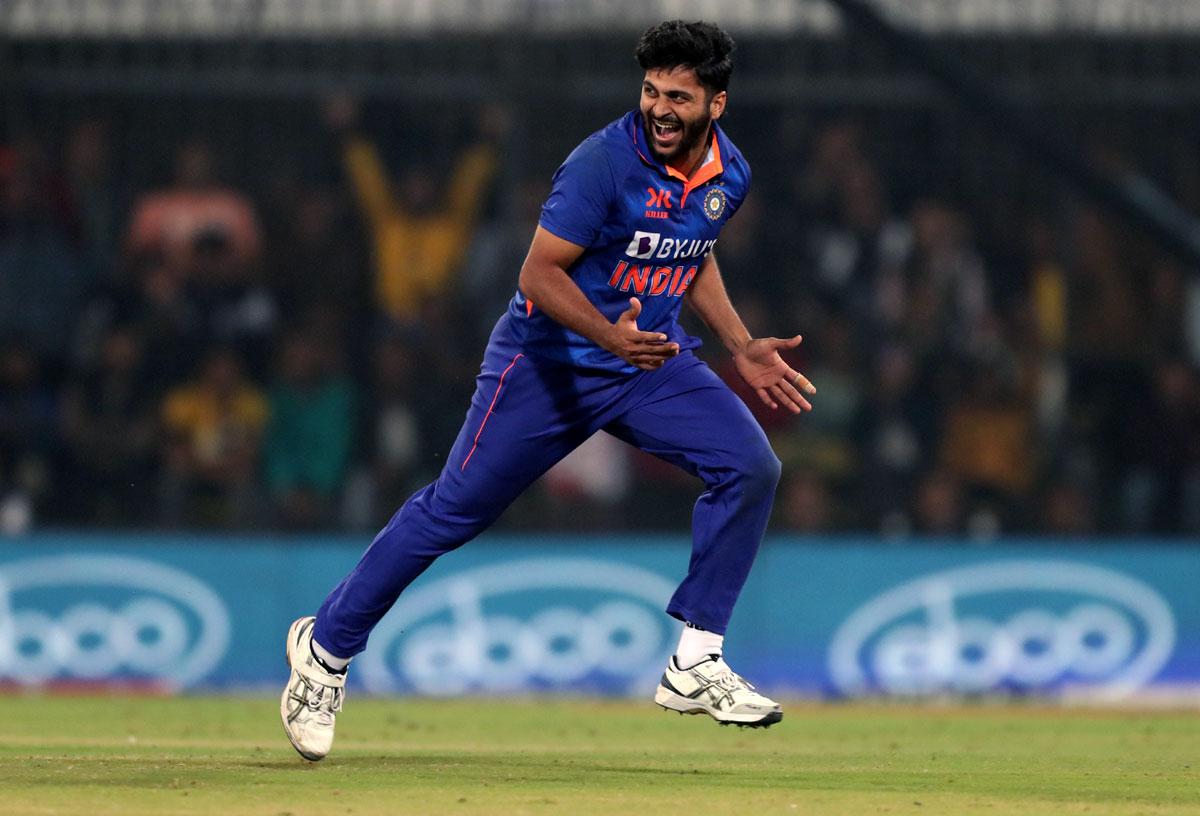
(206, 755)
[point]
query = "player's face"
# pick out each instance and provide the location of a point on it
(677, 111)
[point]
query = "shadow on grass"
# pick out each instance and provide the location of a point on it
(495, 764)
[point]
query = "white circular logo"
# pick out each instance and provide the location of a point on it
(714, 203)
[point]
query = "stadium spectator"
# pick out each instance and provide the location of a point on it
(896, 433)
(1067, 510)
(96, 196)
(316, 260)
(154, 298)
(1045, 335)
(828, 440)
(806, 505)
(938, 508)
(1107, 322)
(310, 432)
(987, 443)
(420, 230)
(947, 304)
(392, 457)
(28, 436)
(236, 309)
(859, 249)
(1161, 488)
(110, 431)
(213, 429)
(42, 278)
(195, 212)
(935, 252)
(499, 246)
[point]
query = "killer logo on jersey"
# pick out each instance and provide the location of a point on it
(658, 203)
(714, 203)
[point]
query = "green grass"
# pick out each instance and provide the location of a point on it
(129, 755)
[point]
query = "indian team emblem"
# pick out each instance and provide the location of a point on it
(714, 203)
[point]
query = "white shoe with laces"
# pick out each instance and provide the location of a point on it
(313, 696)
(711, 687)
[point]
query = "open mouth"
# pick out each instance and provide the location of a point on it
(666, 133)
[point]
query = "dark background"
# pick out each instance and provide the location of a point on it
(997, 349)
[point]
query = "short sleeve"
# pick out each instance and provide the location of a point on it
(583, 190)
(744, 190)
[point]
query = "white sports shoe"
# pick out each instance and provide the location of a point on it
(711, 687)
(313, 696)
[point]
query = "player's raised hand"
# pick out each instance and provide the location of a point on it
(775, 382)
(646, 350)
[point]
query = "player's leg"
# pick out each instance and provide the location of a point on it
(690, 418)
(522, 419)
(515, 429)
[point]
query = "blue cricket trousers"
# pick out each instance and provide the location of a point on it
(528, 413)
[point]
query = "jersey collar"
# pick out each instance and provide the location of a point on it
(710, 169)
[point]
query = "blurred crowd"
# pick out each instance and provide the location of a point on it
(296, 349)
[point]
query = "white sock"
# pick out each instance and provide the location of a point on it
(695, 645)
(332, 661)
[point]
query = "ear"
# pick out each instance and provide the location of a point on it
(716, 105)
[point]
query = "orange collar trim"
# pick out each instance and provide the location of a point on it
(711, 168)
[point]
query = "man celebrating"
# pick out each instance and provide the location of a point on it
(591, 342)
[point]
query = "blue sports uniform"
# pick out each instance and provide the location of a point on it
(543, 389)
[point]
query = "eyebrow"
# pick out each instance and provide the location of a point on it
(675, 91)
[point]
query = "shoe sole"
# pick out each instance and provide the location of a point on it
(283, 700)
(670, 701)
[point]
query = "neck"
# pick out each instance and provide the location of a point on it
(688, 163)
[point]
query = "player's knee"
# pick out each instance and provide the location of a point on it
(759, 470)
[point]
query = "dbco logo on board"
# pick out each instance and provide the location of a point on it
(100, 617)
(1016, 625)
(536, 624)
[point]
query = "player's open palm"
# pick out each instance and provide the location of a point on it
(775, 382)
(646, 350)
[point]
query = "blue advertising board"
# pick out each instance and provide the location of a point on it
(583, 614)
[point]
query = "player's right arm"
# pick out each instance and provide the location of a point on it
(545, 282)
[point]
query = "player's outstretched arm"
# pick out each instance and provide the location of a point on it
(757, 359)
(545, 282)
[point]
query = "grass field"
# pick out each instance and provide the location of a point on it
(205, 755)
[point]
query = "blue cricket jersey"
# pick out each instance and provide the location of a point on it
(645, 230)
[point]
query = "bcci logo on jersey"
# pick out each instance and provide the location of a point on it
(714, 203)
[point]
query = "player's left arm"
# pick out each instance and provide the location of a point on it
(757, 359)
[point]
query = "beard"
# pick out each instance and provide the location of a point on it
(691, 135)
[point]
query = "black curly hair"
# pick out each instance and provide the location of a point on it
(703, 47)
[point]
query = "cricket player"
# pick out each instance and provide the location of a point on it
(591, 342)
